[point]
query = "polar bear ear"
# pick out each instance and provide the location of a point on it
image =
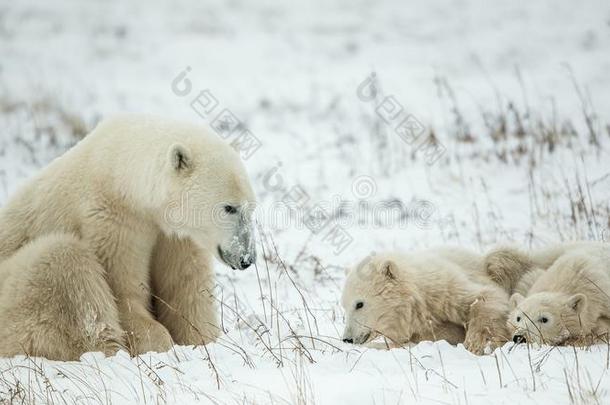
(577, 302)
(515, 300)
(180, 157)
(389, 270)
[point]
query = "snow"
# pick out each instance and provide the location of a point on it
(427, 373)
(291, 72)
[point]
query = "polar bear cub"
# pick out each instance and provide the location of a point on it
(429, 295)
(567, 302)
(517, 270)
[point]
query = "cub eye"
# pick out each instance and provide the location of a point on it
(359, 305)
(518, 319)
(229, 209)
(544, 319)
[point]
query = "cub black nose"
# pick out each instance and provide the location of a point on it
(348, 340)
(519, 339)
(245, 264)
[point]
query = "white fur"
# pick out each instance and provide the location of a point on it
(434, 294)
(80, 236)
(567, 302)
(516, 270)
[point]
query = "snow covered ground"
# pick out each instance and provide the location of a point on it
(517, 96)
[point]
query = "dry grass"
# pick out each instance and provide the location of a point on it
(291, 337)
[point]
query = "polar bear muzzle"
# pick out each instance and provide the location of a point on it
(237, 261)
(239, 252)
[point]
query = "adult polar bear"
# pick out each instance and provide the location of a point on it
(83, 244)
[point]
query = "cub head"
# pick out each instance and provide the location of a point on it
(374, 300)
(545, 317)
(208, 198)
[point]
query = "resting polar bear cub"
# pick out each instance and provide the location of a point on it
(516, 270)
(569, 298)
(428, 295)
(126, 214)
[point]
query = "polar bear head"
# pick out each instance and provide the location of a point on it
(545, 317)
(377, 301)
(202, 192)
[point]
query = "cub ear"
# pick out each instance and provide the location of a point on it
(180, 157)
(389, 270)
(515, 300)
(577, 302)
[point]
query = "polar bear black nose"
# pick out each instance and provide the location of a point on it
(347, 340)
(245, 263)
(519, 339)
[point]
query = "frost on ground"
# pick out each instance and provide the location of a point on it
(517, 95)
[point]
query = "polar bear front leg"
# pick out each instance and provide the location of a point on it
(125, 251)
(183, 283)
(55, 301)
(450, 332)
(486, 320)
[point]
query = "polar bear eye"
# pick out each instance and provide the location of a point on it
(518, 319)
(229, 209)
(544, 319)
(359, 304)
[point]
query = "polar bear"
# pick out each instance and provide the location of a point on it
(517, 270)
(429, 295)
(569, 302)
(112, 244)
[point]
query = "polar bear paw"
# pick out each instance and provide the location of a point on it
(478, 342)
(480, 339)
(148, 336)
